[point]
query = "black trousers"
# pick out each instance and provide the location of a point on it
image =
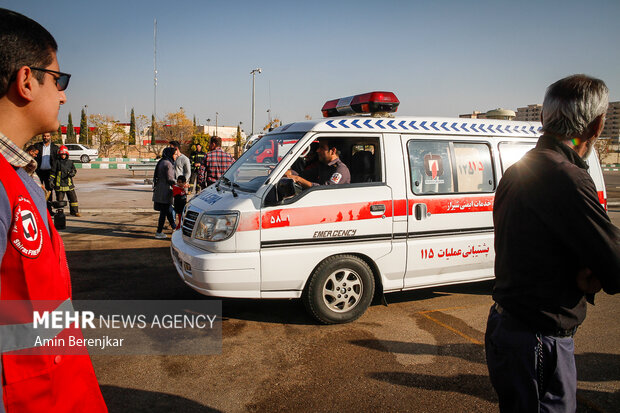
(73, 201)
(193, 177)
(44, 176)
(530, 372)
(162, 219)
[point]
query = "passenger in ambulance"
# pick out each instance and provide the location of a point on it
(330, 170)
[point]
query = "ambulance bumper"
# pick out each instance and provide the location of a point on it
(216, 274)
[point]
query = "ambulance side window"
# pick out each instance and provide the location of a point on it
(431, 167)
(443, 167)
(474, 169)
(511, 152)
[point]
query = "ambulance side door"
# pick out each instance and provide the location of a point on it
(329, 220)
(450, 193)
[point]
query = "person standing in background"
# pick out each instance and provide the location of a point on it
(182, 166)
(46, 158)
(196, 158)
(62, 180)
(215, 163)
(163, 180)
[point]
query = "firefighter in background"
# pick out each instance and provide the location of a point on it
(61, 180)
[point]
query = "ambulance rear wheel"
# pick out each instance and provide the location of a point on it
(340, 290)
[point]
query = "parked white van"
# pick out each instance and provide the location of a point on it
(417, 213)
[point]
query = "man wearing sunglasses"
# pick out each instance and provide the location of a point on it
(33, 263)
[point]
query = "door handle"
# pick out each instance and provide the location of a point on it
(377, 209)
(420, 212)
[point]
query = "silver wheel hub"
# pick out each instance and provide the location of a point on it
(342, 290)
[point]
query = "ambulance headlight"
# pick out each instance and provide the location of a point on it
(216, 227)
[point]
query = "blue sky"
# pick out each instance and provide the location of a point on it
(441, 58)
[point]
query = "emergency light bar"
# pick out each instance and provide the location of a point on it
(365, 103)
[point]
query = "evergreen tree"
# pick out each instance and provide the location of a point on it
(238, 142)
(70, 131)
(132, 128)
(152, 130)
(57, 136)
(84, 138)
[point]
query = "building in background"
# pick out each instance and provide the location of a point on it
(612, 122)
(530, 113)
(499, 113)
(474, 115)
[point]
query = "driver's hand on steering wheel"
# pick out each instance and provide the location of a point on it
(291, 175)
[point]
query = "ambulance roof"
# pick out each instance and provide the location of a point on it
(418, 125)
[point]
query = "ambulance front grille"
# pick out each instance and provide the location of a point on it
(188, 222)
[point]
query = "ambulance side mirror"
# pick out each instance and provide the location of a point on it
(285, 188)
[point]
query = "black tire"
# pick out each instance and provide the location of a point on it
(322, 296)
(84, 159)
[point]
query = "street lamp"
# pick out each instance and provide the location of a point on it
(208, 125)
(253, 73)
(216, 123)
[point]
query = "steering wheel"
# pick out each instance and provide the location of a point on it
(298, 188)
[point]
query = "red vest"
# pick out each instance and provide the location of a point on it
(34, 267)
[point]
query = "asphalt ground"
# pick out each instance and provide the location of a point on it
(422, 353)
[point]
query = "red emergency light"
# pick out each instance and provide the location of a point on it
(365, 103)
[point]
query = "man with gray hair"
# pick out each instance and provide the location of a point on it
(555, 248)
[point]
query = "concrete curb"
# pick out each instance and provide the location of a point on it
(123, 160)
(100, 166)
(117, 210)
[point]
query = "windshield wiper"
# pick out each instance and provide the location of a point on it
(232, 185)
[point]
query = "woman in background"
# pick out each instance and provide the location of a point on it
(163, 179)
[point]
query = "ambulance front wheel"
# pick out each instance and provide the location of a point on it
(340, 289)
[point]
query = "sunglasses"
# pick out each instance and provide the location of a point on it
(62, 81)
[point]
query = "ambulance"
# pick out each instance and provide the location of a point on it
(417, 212)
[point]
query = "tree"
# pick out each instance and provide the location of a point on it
(132, 128)
(202, 139)
(84, 128)
(109, 134)
(274, 123)
(57, 136)
(153, 130)
(176, 127)
(604, 148)
(238, 142)
(71, 138)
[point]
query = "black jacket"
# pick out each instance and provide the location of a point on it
(549, 225)
(62, 175)
(53, 154)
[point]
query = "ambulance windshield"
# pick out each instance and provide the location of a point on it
(254, 166)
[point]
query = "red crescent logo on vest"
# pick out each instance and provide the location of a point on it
(26, 235)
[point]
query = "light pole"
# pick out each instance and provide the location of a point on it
(216, 123)
(208, 125)
(253, 73)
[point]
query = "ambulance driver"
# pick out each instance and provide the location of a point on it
(329, 171)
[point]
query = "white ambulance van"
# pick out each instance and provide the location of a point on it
(417, 213)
